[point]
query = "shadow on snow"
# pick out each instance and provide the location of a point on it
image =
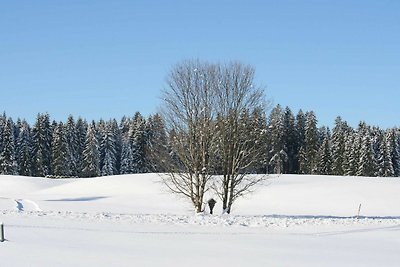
(78, 199)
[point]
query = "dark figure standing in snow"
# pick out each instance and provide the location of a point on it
(211, 204)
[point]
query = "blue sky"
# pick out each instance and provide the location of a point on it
(110, 58)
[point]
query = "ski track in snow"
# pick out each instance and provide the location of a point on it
(263, 221)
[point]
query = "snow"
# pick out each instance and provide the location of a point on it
(128, 220)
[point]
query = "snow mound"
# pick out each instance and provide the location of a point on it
(285, 195)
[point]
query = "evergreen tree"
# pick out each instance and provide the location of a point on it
(349, 169)
(72, 160)
(367, 163)
(3, 121)
(300, 125)
(338, 146)
(108, 152)
(137, 136)
(108, 165)
(117, 144)
(385, 163)
(290, 140)
(356, 152)
(81, 131)
(127, 165)
(24, 150)
(277, 152)
(354, 143)
(394, 150)
(60, 153)
(324, 156)
(308, 152)
(42, 137)
(7, 155)
(91, 154)
(258, 135)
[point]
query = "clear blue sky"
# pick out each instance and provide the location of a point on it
(110, 58)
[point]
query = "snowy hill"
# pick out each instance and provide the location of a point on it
(121, 220)
(145, 194)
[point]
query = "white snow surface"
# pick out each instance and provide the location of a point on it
(132, 220)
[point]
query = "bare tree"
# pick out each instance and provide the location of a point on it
(241, 131)
(189, 111)
(212, 111)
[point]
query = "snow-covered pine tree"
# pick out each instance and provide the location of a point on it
(81, 131)
(356, 154)
(24, 150)
(100, 127)
(377, 140)
(396, 164)
(126, 158)
(300, 125)
(277, 150)
(290, 140)
(338, 146)
(385, 164)
(42, 137)
(108, 164)
(137, 138)
(348, 164)
(252, 133)
(367, 163)
(117, 143)
(324, 164)
(91, 154)
(59, 151)
(7, 155)
(258, 135)
(308, 152)
(108, 152)
(3, 121)
(71, 137)
(394, 150)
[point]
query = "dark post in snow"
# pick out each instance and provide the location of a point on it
(358, 213)
(211, 204)
(2, 232)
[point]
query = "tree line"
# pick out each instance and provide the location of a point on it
(77, 148)
(291, 144)
(296, 145)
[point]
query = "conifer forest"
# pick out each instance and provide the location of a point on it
(290, 144)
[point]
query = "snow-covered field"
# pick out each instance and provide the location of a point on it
(132, 220)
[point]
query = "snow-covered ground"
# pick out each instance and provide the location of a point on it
(131, 220)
